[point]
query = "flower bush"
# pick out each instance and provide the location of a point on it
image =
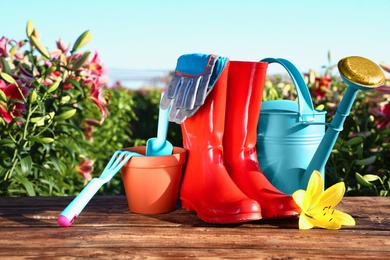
(49, 103)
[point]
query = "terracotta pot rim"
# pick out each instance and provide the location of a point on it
(177, 158)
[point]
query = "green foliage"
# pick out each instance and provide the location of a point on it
(47, 99)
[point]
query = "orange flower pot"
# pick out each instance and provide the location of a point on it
(152, 182)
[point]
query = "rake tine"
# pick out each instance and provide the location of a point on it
(74, 208)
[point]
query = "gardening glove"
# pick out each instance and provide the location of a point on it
(195, 76)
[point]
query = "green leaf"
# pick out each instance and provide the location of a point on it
(77, 85)
(354, 141)
(7, 142)
(80, 61)
(5, 65)
(3, 97)
(386, 145)
(39, 121)
(8, 78)
(82, 40)
(55, 161)
(40, 47)
(27, 185)
(385, 132)
(25, 163)
(360, 179)
(366, 161)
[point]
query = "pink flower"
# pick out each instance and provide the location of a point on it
(12, 91)
(61, 46)
(321, 83)
(3, 47)
(25, 75)
(97, 97)
(384, 66)
(96, 68)
(51, 78)
(85, 168)
(4, 113)
(383, 89)
(384, 113)
(88, 133)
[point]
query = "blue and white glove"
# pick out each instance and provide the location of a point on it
(194, 78)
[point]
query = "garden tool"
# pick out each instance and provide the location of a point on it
(291, 135)
(244, 96)
(74, 208)
(159, 146)
(207, 187)
(360, 74)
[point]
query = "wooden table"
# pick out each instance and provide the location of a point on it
(107, 230)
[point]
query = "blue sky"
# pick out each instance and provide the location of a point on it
(152, 34)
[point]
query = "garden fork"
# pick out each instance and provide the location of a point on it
(74, 208)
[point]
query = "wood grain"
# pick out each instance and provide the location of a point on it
(107, 230)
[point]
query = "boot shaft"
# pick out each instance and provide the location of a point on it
(205, 129)
(244, 95)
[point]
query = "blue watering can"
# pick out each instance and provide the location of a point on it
(291, 137)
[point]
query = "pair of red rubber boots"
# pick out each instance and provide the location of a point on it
(223, 181)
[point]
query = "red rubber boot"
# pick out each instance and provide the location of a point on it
(207, 187)
(244, 96)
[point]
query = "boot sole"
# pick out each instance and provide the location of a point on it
(280, 215)
(228, 219)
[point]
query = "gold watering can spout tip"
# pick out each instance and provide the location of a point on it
(361, 71)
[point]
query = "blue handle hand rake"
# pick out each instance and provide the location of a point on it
(74, 208)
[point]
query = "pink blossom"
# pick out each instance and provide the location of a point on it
(4, 113)
(97, 97)
(88, 133)
(383, 89)
(96, 68)
(384, 113)
(321, 82)
(12, 91)
(385, 67)
(25, 75)
(3, 47)
(85, 168)
(61, 46)
(51, 77)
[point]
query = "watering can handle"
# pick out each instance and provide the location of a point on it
(306, 109)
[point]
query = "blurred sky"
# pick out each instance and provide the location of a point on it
(152, 34)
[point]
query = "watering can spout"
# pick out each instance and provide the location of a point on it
(360, 74)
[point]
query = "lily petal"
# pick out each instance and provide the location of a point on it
(299, 197)
(329, 198)
(326, 221)
(314, 189)
(305, 222)
(344, 218)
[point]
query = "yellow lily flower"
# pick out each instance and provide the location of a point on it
(318, 207)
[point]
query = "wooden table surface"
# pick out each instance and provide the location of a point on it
(107, 230)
